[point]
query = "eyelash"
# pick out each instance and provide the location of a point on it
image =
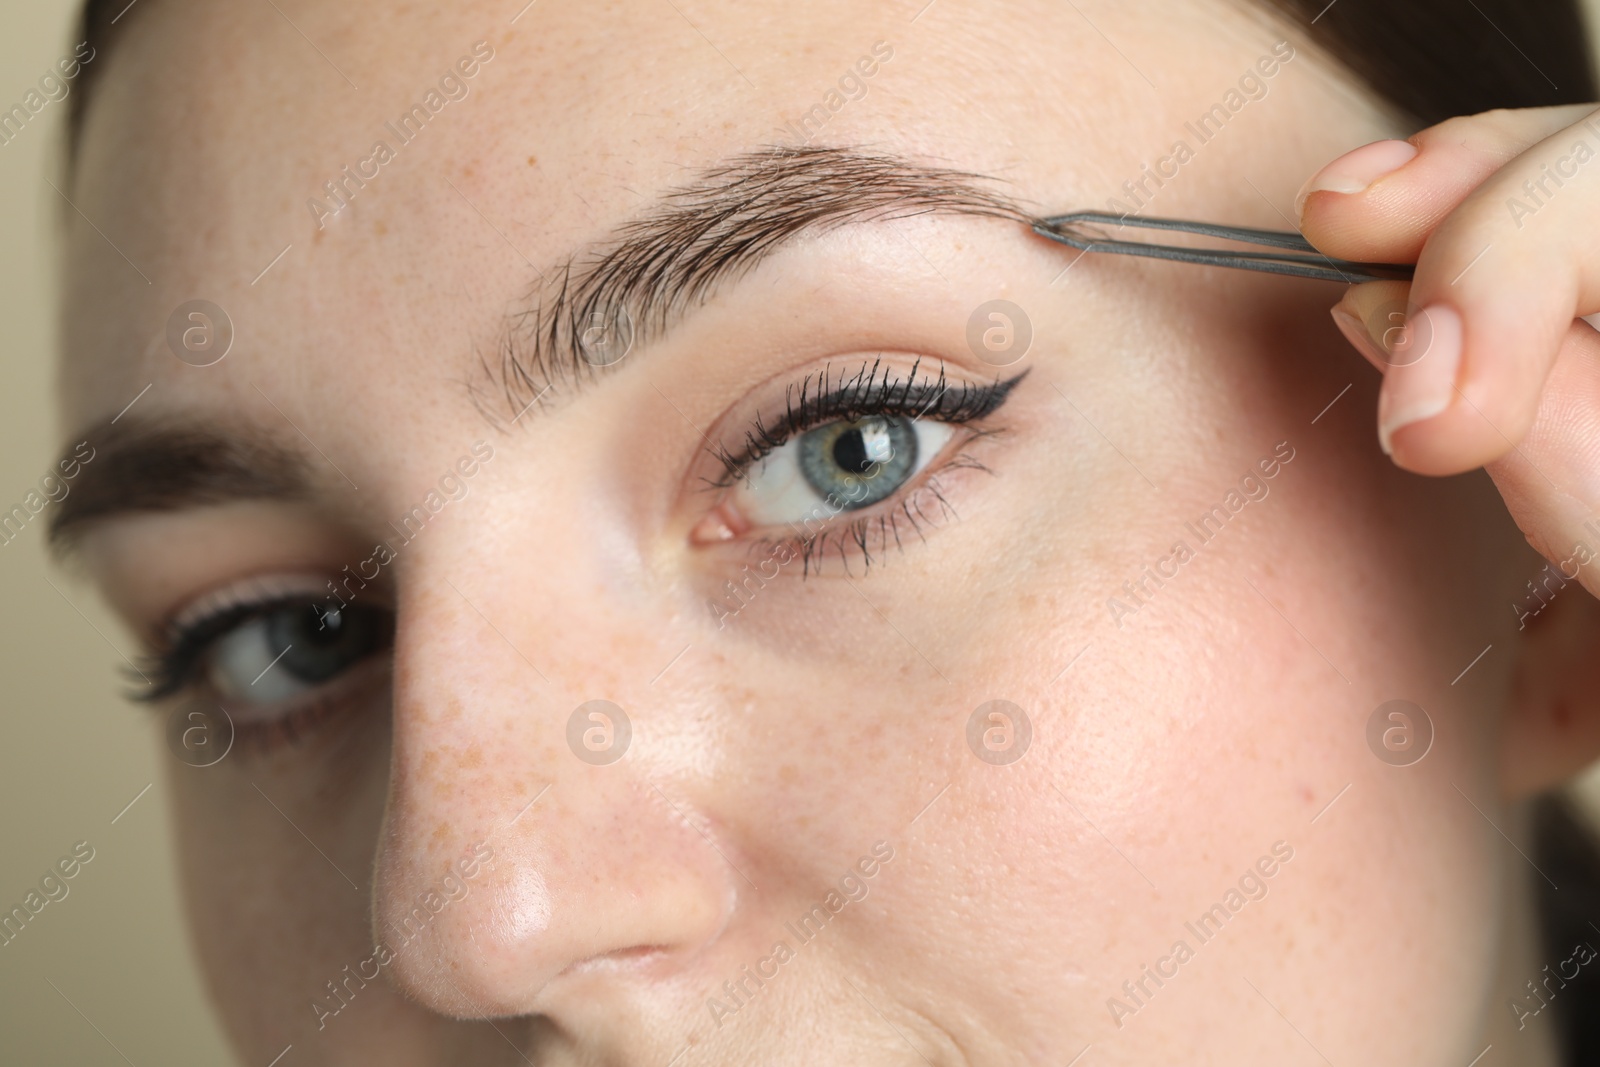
(864, 395)
(173, 667)
(812, 403)
(882, 527)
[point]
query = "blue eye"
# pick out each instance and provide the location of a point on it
(284, 651)
(844, 442)
(840, 465)
(861, 461)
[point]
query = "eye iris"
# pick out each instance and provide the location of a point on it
(320, 644)
(859, 462)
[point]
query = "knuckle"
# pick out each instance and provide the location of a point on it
(1499, 133)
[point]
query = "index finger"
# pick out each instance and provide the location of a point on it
(1380, 202)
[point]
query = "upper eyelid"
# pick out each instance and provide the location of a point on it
(256, 592)
(183, 645)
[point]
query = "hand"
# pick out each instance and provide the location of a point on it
(1486, 361)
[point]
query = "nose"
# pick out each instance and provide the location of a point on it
(522, 855)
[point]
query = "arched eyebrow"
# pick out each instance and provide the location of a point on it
(718, 226)
(654, 267)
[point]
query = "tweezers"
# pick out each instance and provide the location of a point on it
(1082, 230)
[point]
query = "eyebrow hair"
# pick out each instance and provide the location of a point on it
(653, 268)
(713, 229)
(159, 465)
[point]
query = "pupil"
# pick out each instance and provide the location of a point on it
(850, 452)
(878, 453)
(316, 645)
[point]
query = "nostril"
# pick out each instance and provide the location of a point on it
(622, 958)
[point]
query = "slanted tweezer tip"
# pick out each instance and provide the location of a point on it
(1083, 230)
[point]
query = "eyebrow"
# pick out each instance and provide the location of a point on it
(713, 229)
(653, 268)
(161, 465)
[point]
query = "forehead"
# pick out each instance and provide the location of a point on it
(368, 191)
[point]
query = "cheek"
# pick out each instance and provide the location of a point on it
(1228, 708)
(273, 920)
(1186, 745)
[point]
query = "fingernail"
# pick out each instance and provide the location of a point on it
(1425, 384)
(1357, 335)
(1354, 171)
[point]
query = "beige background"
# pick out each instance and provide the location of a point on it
(72, 754)
(105, 976)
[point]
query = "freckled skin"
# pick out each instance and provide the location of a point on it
(613, 901)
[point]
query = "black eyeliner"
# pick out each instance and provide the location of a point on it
(171, 666)
(815, 401)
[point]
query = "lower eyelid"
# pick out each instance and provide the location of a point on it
(258, 731)
(902, 520)
(798, 493)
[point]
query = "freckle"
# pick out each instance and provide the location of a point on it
(379, 228)
(441, 832)
(473, 757)
(466, 172)
(788, 774)
(533, 161)
(316, 236)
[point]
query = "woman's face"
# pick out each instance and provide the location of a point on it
(578, 390)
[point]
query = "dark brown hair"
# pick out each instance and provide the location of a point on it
(1435, 59)
(1432, 60)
